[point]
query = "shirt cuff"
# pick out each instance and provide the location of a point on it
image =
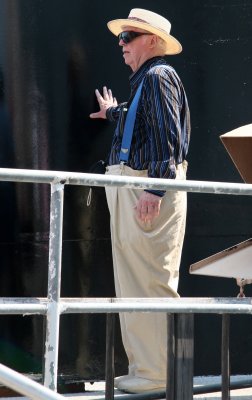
(112, 113)
(159, 193)
(109, 114)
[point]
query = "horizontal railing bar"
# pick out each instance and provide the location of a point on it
(169, 305)
(191, 308)
(23, 305)
(86, 179)
(24, 300)
(16, 309)
(120, 300)
(26, 386)
(212, 305)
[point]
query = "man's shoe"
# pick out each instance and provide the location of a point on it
(120, 379)
(140, 385)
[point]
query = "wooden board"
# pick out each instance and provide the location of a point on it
(234, 262)
(238, 144)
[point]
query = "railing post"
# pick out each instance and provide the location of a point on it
(170, 381)
(109, 373)
(225, 365)
(184, 351)
(54, 281)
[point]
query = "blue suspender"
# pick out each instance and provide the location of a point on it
(130, 122)
(129, 126)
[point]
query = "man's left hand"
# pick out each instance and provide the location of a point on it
(148, 207)
(105, 101)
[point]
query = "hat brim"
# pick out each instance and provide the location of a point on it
(173, 46)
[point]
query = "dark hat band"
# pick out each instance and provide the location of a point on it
(138, 19)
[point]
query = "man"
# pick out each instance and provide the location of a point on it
(147, 226)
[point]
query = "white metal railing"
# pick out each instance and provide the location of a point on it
(53, 306)
(26, 386)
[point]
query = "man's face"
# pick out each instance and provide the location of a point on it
(137, 51)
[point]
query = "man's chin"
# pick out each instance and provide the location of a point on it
(127, 62)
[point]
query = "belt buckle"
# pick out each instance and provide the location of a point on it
(122, 164)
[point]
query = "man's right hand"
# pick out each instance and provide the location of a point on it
(105, 101)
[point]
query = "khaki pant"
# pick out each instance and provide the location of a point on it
(146, 260)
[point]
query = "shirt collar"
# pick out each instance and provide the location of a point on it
(137, 76)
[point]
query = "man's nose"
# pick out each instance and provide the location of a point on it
(121, 43)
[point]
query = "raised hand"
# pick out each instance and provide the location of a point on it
(105, 101)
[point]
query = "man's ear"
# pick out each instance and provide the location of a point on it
(153, 41)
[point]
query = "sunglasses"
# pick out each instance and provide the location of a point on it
(128, 36)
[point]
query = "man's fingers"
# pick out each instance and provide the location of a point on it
(105, 93)
(110, 95)
(156, 209)
(148, 207)
(94, 115)
(99, 114)
(99, 97)
(104, 101)
(107, 97)
(145, 212)
(98, 94)
(148, 213)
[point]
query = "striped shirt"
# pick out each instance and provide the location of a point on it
(162, 127)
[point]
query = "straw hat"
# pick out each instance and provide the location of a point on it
(151, 22)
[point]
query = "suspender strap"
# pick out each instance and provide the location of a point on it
(129, 126)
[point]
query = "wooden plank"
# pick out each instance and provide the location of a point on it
(170, 393)
(184, 350)
(233, 262)
(225, 363)
(238, 144)
(109, 373)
